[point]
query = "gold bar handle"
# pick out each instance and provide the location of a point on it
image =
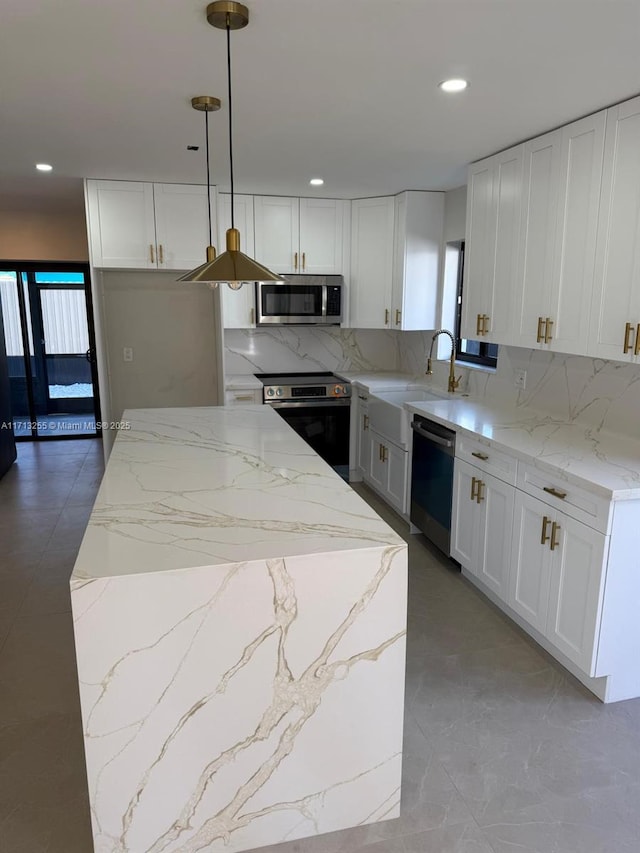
(554, 530)
(479, 495)
(295, 261)
(365, 422)
(244, 397)
(304, 261)
(385, 453)
(151, 253)
(380, 452)
(161, 253)
(540, 335)
(398, 315)
(474, 483)
(252, 316)
(548, 323)
(485, 324)
(555, 492)
(483, 456)
(386, 316)
(636, 349)
(478, 324)
(628, 331)
(545, 536)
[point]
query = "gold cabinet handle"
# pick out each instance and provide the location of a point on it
(380, 452)
(365, 422)
(252, 316)
(555, 492)
(483, 456)
(541, 334)
(628, 331)
(474, 483)
(385, 453)
(545, 536)
(554, 531)
(295, 261)
(304, 261)
(478, 324)
(243, 397)
(548, 323)
(398, 315)
(151, 253)
(161, 253)
(386, 316)
(636, 349)
(479, 495)
(485, 325)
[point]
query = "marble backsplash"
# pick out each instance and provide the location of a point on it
(310, 349)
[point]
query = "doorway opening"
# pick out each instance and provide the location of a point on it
(50, 343)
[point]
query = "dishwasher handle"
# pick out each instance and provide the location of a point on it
(430, 436)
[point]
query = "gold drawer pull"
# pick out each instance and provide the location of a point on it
(545, 536)
(628, 331)
(483, 456)
(548, 323)
(398, 315)
(365, 422)
(161, 253)
(243, 397)
(304, 261)
(380, 454)
(478, 324)
(479, 495)
(151, 254)
(636, 349)
(386, 316)
(485, 324)
(474, 483)
(540, 335)
(555, 492)
(554, 530)
(295, 261)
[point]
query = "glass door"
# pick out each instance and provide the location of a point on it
(48, 315)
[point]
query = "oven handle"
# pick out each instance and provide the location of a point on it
(307, 404)
(430, 436)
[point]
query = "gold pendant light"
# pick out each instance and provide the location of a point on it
(232, 267)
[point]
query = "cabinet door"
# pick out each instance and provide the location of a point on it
(616, 295)
(371, 262)
(419, 221)
(582, 148)
(182, 225)
(496, 533)
(575, 599)
(322, 224)
(530, 561)
(539, 209)
(276, 223)
(121, 224)
(396, 462)
(503, 257)
(238, 306)
(465, 517)
(479, 243)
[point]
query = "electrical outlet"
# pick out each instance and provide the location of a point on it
(127, 354)
(520, 379)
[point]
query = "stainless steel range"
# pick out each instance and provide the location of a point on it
(317, 406)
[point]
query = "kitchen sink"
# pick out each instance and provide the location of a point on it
(387, 416)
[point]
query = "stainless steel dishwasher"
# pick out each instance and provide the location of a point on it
(432, 480)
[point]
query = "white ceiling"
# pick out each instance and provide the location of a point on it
(344, 89)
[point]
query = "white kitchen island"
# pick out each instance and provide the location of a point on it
(239, 617)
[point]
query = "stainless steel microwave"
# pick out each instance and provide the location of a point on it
(300, 300)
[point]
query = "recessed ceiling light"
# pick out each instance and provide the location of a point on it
(43, 167)
(316, 182)
(456, 84)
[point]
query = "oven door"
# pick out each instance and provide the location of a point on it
(291, 303)
(324, 426)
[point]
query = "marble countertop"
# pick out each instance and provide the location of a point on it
(599, 461)
(242, 382)
(388, 380)
(211, 486)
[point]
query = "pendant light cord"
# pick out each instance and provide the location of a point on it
(230, 115)
(206, 134)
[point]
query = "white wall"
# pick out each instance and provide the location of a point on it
(171, 328)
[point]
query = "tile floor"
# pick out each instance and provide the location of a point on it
(503, 752)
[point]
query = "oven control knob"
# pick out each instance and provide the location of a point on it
(279, 392)
(270, 392)
(338, 390)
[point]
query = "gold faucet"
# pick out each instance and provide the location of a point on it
(453, 380)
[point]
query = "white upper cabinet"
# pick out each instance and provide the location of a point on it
(615, 315)
(419, 221)
(277, 233)
(238, 306)
(302, 235)
(136, 225)
(494, 203)
(372, 233)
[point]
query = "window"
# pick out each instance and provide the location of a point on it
(474, 352)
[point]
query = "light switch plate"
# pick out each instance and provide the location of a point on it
(127, 354)
(520, 379)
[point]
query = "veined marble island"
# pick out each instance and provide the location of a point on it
(239, 617)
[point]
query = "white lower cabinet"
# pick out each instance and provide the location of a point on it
(387, 470)
(482, 522)
(557, 578)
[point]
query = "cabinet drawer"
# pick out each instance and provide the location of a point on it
(487, 458)
(576, 502)
(242, 397)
